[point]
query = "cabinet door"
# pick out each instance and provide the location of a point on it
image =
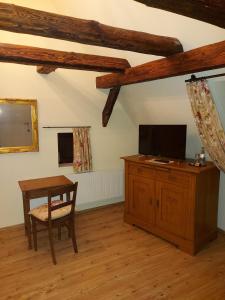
(141, 199)
(173, 212)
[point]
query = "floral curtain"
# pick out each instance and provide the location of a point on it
(207, 120)
(82, 158)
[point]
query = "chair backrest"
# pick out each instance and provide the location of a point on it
(60, 192)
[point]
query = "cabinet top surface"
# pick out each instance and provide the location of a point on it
(176, 164)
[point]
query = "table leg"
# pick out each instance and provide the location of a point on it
(27, 223)
(24, 213)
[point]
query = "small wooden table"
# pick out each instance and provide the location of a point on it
(37, 188)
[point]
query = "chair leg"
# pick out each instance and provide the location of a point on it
(34, 230)
(51, 245)
(73, 234)
(59, 232)
(69, 229)
(29, 231)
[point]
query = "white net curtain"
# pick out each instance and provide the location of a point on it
(208, 121)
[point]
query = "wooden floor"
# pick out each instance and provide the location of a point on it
(115, 261)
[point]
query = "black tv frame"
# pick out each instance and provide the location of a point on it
(160, 140)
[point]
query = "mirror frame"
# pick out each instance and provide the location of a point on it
(34, 121)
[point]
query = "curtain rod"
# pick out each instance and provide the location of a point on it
(66, 127)
(194, 78)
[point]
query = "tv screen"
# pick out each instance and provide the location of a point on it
(163, 140)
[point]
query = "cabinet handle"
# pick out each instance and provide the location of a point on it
(157, 203)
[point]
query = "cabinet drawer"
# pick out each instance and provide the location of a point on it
(171, 176)
(141, 171)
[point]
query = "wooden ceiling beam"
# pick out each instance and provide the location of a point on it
(196, 60)
(29, 21)
(107, 111)
(59, 59)
(209, 11)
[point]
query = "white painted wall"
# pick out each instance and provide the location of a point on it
(70, 97)
(64, 98)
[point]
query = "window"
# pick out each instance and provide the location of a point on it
(65, 148)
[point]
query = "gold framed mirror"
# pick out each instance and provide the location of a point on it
(18, 125)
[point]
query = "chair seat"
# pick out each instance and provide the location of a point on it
(41, 212)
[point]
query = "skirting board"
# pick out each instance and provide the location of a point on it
(81, 208)
(95, 204)
(221, 231)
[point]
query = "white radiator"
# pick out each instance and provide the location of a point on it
(99, 188)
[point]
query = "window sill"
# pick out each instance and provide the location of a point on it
(65, 165)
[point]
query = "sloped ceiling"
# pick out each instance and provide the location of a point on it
(159, 101)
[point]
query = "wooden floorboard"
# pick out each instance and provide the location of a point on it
(115, 261)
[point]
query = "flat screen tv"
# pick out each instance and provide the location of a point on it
(163, 140)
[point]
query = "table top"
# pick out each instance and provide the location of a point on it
(43, 183)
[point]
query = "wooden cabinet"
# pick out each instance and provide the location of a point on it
(173, 208)
(141, 197)
(175, 201)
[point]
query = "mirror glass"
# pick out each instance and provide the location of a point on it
(18, 125)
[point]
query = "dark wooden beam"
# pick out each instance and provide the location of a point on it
(46, 69)
(210, 11)
(107, 111)
(60, 59)
(29, 21)
(197, 60)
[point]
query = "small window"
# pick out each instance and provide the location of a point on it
(65, 148)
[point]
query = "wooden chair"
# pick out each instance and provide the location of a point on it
(56, 213)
